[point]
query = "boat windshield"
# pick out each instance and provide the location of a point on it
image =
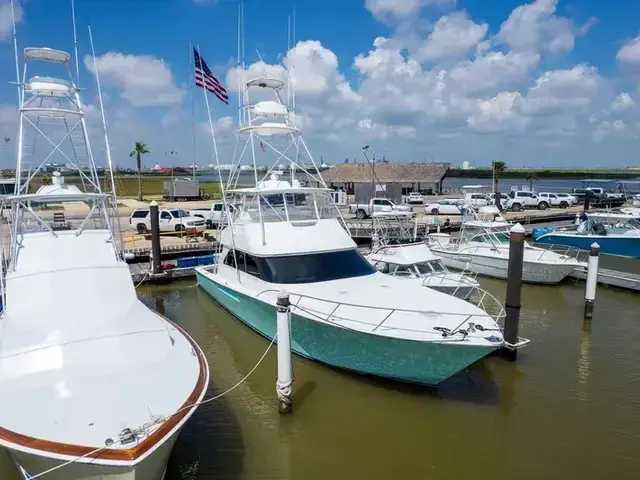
(427, 268)
(307, 268)
(286, 206)
(491, 237)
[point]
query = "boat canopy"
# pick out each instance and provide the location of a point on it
(264, 82)
(404, 254)
(46, 54)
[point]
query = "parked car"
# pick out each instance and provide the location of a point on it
(504, 198)
(446, 207)
(174, 220)
(212, 215)
(570, 199)
(364, 210)
(477, 199)
(554, 200)
(520, 199)
(415, 197)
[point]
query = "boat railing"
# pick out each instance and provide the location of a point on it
(458, 333)
(563, 250)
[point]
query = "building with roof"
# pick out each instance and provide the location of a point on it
(392, 180)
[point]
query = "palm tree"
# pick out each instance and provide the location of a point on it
(498, 168)
(139, 150)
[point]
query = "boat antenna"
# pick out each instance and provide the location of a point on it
(193, 136)
(15, 50)
(106, 135)
(239, 79)
(75, 43)
(376, 180)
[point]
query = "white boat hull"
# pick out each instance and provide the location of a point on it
(497, 267)
(152, 467)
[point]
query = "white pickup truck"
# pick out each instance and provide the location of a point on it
(212, 215)
(174, 220)
(364, 210)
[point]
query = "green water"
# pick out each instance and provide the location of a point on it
(569, 407)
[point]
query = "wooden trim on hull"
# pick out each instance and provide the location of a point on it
(129, 454)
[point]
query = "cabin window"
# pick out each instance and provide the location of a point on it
(230, 259)
(251, 265)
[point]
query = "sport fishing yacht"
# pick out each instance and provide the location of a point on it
(93, 384)
(286, 234)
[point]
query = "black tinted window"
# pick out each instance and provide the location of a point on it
(217, 207)
(316, 267)
(140, 214)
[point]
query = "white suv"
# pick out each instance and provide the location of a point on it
(519, 200)
(554, 199)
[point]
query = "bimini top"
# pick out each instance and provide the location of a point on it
(264, 82)
(58, 192)
(407, 254)
(46, 54)
(274, 185)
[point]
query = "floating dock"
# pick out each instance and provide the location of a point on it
(611, 278)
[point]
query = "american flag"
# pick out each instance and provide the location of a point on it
(205, 79)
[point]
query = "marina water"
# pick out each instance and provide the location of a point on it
(569, 407)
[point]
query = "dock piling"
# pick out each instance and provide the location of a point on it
(285, 367)
(514, 289)
(592, 280)
(155, 238)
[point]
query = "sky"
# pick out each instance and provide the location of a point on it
(543, 83)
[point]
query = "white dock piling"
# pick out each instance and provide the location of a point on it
(592, 280)
(285, 367)
(415, 228)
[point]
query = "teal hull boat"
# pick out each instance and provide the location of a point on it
(414, 361)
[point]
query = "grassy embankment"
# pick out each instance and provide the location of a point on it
(127, 187)
(526, 173)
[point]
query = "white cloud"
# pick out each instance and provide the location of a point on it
(453, 35)
(6, 22)
(629, 54)
(401, 8)
(145, 80)
(606, 128)
(623, 102)
(562, 91)
(498, 114)
(493, 70)
(534, 27)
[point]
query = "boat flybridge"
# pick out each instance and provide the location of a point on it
(483, 248)
(93, 384)
(287, 234)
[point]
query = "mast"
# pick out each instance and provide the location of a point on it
(193, 135)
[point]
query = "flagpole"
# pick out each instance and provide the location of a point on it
(193, 136)
(213, 135)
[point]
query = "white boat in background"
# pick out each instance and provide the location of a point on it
(286, 233)
(93, 384)
(416, 262)
(483, 248)
(397, 251)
